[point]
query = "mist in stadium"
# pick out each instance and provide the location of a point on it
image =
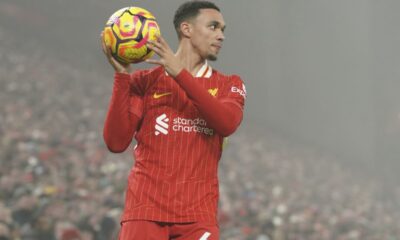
(315, 158)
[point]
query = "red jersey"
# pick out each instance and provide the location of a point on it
(179, 143)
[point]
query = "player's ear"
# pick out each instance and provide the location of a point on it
(186, 29)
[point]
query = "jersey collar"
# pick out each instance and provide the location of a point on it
(204, 72)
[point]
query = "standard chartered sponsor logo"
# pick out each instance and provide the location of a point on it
(162, 124)
(180, 124)
(191, 125)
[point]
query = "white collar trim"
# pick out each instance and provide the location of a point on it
(205, 71)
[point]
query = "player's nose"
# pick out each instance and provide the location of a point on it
(221, 36)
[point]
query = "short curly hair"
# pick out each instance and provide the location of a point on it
(190, 10)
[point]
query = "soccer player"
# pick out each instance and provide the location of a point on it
(179, 112)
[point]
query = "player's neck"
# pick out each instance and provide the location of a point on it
(190, 59)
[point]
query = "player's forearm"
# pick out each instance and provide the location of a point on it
(120, 124)
(224, 118)
(117, 133)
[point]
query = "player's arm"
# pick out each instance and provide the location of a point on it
(123, 117)
(125, 108)
(223, 116)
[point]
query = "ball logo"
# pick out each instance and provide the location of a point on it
(161, 124)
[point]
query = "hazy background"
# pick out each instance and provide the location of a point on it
(324, 73)
(321, 74)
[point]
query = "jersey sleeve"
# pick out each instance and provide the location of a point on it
(141, 80)
(137, 83)
(223, 115)
(123, 116)
(234, 92)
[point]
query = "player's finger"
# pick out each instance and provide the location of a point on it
(156, 49)
(110, 58)
(155, 44)
(106, 49)
(114, 61)
(103, 44)
(153, 61)
(163, 42)
(165, 45)
(157, 37)
(108, 52)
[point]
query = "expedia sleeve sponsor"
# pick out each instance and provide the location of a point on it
(242, 91)
(235, 91)
(237, 86)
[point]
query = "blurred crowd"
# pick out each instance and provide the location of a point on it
(275, 190)
(59, 182)
(57, 179)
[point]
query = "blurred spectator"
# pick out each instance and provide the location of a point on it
(5, 233)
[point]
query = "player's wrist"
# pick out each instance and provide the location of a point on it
(174, 71)
(182, 74)
(121, 71)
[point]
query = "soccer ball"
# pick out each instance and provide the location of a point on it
(127, 31)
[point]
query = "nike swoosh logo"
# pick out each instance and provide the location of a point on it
(156, 95)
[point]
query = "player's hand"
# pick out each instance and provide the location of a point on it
(167, 57)
(118, 67)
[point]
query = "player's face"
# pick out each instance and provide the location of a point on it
(208, 33)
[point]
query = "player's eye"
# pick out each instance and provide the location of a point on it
(213, 27)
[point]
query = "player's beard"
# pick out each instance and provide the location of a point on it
(212, 57)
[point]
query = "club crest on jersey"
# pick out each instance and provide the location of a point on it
(213, 91)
